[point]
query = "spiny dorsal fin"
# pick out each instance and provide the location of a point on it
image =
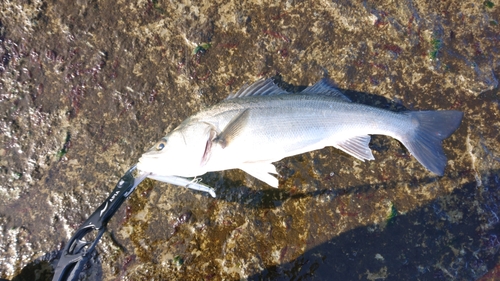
(267, 87)
(357, 147)
(325, 87)
(232, 129)
(263, 87)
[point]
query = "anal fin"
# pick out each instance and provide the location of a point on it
(357, 147)
(262, 171)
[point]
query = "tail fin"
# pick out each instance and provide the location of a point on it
(424, 143)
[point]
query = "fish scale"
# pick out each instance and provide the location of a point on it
(263, 123)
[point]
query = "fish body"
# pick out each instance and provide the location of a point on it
(263, 123)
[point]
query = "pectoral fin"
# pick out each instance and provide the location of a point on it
(232, 129)
(262, 171)
(357, 147)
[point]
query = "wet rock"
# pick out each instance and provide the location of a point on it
(85, 89)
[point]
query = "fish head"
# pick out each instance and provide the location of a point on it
(182, 152)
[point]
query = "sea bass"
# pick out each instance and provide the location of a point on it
(263, 123)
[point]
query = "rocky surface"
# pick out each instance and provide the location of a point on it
(86, 88)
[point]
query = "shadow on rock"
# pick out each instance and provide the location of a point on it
(424, 244)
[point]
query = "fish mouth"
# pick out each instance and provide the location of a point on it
(159, 165)
(140, 177)
(149, 163)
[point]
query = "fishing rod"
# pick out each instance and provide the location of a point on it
(78, 250)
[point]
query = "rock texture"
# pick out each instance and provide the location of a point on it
(86, 88)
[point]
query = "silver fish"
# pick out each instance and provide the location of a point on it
(263, 123)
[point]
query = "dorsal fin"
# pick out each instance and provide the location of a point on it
(263, 87)
(325, 87)
(267, 87)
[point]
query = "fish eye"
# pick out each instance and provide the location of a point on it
(161, 144)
